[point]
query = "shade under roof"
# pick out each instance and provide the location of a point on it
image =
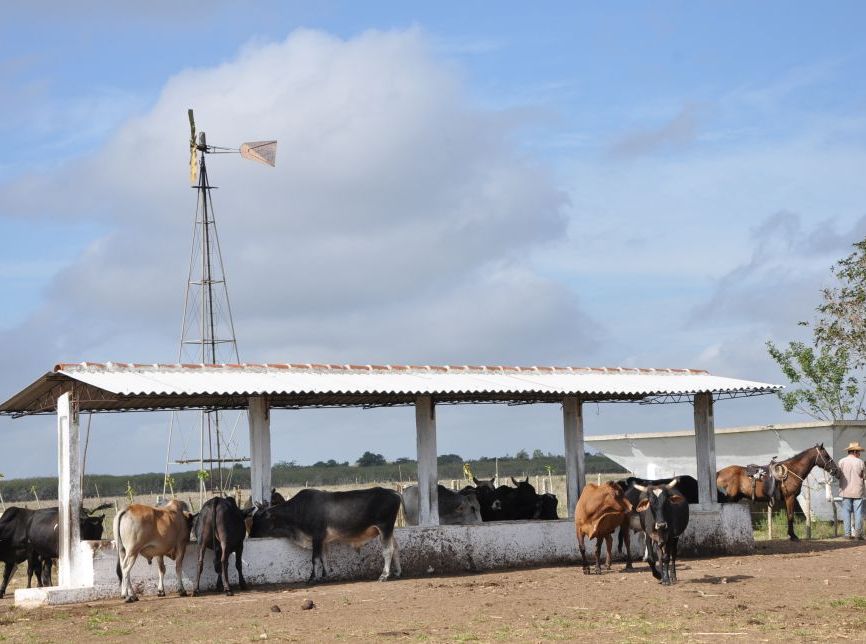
(103, 387)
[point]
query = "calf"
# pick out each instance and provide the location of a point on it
(151, 532)
(220, 526)
(664, 516)
(13, 541)
(600, 510)
(43, 538)
(547, 506)
(455, 508)
(313, 518)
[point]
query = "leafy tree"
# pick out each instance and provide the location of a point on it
(537, 453)
(402, 460)
(445, 459)
(828, 373)
(842, 321)
(826, 388)
(522, 455)
(369, 458)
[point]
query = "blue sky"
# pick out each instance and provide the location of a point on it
(647, 184)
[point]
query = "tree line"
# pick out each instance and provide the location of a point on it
(369, 468)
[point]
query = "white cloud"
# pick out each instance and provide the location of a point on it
(396, 226)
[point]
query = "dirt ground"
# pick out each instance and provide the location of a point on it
(810, 591)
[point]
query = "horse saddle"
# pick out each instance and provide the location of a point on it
(769, 474)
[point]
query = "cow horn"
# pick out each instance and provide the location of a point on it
(673, 483)
(639, 488)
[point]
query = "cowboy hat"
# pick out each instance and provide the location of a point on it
(854, 447)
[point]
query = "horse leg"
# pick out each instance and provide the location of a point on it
(789, 509)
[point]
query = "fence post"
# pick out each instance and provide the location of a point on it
(808, 509)
(769, 522)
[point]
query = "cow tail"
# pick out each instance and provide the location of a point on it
(120, 548)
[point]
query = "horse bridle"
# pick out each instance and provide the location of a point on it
(833, 472)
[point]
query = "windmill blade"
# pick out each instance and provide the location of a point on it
(260, 151)
(193, 152)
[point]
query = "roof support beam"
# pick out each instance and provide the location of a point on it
(428, 471)
(260, 448)
(575, 471)
(68, 491)
(705, 448)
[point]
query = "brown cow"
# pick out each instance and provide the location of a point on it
(600, 510)
(151, 532)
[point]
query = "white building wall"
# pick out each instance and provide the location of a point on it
(662, 455)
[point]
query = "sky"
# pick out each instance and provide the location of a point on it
(657, 184)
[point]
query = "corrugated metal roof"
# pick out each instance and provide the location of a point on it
(124, 386)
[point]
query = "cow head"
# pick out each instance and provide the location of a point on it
(91, 527)
(651, 506)
(482, 483)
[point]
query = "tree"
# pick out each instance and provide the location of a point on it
(522, 455)
(537, 453)
(369, 458)
(842, 321)
(828, 374)
(446, 459)
(828, 390)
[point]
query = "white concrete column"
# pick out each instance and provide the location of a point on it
(68, 492)
(428, 470)
(575, 471)
(705, 448)
(260, 448)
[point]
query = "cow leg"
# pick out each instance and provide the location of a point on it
(389, 546)
(239, 562)
(196, 590)
(8, 571)
(178, 570)
(624, 534)
(218, 568)
(32, 564)
(317, 554)
(673, 548)
(651, 558)
(789, 509)
(608, 540)
(126, 563)
(581, 545)
(160, 566)
(598, 541)
(47, 564)
(666, 564)
(224, 560)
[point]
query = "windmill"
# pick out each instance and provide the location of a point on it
(207, 330)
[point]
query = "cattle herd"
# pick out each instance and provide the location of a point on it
(657, 510)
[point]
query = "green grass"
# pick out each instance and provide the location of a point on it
(849, 602)
(820, 529)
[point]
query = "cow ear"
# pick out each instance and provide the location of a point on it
(643, 505)
(677, 498)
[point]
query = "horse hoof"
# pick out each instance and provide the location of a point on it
(131, 599)
(243, 587)
(160, 593)
(586, 571)
(383, 577)
(181, 593)
(195, 593)
(229, 593)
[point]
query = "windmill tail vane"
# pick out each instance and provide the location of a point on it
(259, 151)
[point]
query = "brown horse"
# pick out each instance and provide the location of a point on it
(733, 483)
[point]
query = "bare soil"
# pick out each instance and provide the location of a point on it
(808, 591)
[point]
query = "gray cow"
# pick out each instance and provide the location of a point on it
(455, 508)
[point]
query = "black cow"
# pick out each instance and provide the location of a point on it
(13, 541)
(313, 518)
(276, 497)
(220, 526)
(547, 507)
(687, 486)
(664, 516)
(506, 503)
(43, 540)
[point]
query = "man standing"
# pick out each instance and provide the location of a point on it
(851, 485)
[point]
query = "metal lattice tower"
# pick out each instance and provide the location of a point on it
(207, 331)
